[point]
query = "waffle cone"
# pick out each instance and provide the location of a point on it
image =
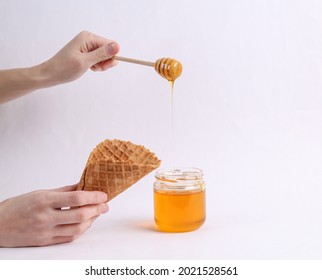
(115, 165)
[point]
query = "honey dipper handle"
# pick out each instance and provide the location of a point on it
(136, 61)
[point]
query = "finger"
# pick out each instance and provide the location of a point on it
(61, 239)
(104, 65)
(74, 229)
(109, 64)
(90, 41)
(76, 198)
(102, 53)
(79, 215)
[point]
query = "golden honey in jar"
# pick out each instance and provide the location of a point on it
(179, 199)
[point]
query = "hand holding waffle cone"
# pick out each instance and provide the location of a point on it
(115, 165)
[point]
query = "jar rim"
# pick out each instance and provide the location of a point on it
(177, 174)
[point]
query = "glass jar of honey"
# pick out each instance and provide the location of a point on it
(179, 199)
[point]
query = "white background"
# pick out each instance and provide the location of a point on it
(247, 110)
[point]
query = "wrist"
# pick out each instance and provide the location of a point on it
(15, 83)
(40, 76)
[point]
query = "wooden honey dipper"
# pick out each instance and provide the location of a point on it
(168, 68)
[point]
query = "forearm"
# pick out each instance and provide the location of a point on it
(85, 51)
(18, 82)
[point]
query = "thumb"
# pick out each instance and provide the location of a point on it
(102, 53)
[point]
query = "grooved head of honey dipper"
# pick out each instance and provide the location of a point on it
(168, 68)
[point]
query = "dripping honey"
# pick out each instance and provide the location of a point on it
(172, 123)
(179, 200)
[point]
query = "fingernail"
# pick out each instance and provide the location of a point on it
(104, 197)
(104, 208)
(112, 48)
